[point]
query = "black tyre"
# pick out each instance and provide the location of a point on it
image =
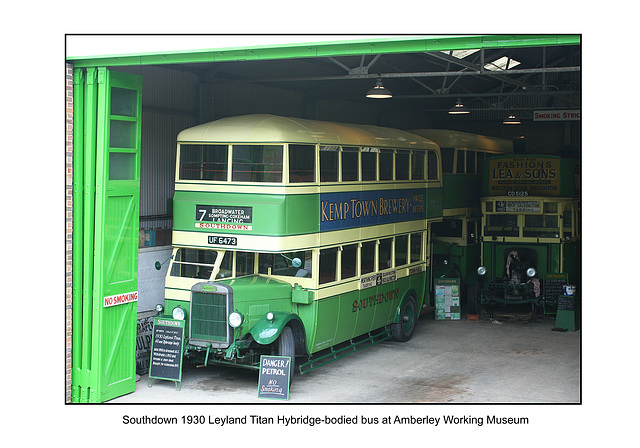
(287, 347)
(403, 330)
(473, 299)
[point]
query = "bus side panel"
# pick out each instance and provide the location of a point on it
(418, 283)
(271, 214)
(434, 202)
(571, 262)
(308, 316)
(325, 320)
(346, 316)
(461, 191)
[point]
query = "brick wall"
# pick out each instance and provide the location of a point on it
(68, 222)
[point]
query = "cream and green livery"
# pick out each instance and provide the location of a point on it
(295, 236)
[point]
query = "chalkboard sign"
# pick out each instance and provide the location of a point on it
(274, 377)
(553, 286)
(566, 303)
(166, 350)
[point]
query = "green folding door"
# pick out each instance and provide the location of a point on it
(107, 130)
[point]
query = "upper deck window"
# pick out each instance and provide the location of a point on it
(257, 163)
(432, 165)
(460, 161)
(447, 160)
(417, 166)
(369, 164)
(471, 162)
(350, 164)
(402, 165)
(329, 163)
(386, 164)
(302, 163)
(203, 162)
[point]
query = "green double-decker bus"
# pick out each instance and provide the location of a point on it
(295, 236)
(455, 246)
(530, 231)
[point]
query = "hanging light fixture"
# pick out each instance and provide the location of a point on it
(511, 119)
(379, 91)
(458, 109)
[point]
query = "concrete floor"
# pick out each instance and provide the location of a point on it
(444, 362)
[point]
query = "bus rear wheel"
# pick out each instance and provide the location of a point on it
(287, 347)
(403, 330)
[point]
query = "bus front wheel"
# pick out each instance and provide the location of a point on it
(473, 299)
(287, 347)
(403, 330)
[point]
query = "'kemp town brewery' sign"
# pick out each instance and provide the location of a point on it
(365, 208)
(524, 176)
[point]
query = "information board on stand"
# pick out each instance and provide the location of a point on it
(447, 298)
(166, 351)
(553, 288)
(275, 372)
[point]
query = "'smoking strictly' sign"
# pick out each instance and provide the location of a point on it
(556, 115)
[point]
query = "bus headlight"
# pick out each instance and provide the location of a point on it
(482, 270)
(531, 272)
(178, 313)
(159, 308)
(270, 316)
(235, 319)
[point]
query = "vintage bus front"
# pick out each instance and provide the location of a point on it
(284, 245)
(455, 246)
(530, 230)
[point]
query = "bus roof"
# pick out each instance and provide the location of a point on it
(263, 128)
(464, 140)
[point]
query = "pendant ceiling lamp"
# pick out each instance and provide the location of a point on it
(458, 108)
(511, 119)
(379, 91)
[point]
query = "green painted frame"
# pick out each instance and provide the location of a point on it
(385, 45)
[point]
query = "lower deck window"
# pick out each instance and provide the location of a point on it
(193, 263)
(384, 254)
(541, 226)
(416, 247)
(349, 261)
(501, 225)
(367, 257)
(402, 250)
(328, 265)
(283, 264)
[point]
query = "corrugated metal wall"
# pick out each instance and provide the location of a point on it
(169, 105)
(231, 99)
(549, 137)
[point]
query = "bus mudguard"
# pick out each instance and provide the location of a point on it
(269, 327)
(409, 293)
